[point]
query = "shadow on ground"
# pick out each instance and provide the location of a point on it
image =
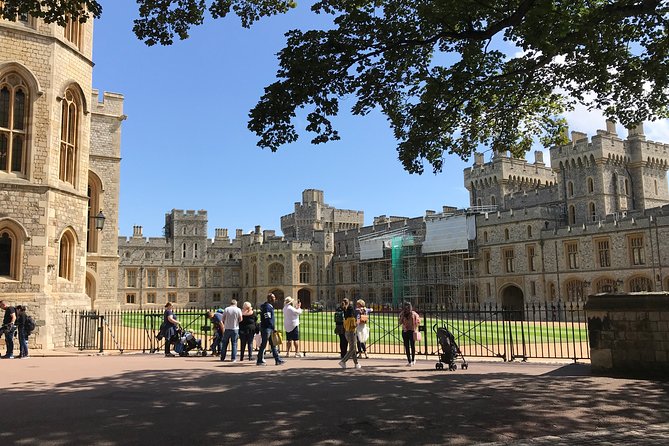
(375, 405)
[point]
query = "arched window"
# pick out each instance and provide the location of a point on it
(570, 189)
(275, 274)
(529, 231)
(575, 290)
(195, 251)
(94, 191)
(478, 202)
(69, 137)
(506, 234)
(305, 273)
(655, 186)
(183, 251)
(627, 187)
(493, 200)
(591, 185)
(485, 236)
(66, 258)
(6, 246)
(14, 100)
(640, 284)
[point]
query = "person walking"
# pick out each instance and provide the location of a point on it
(232, 316)
(170, 325)
(247, 329)
(21, 319)
(339, 329)
(267, 327)
(362, 330)
(291, 323)
(409, 320)
(350, 323)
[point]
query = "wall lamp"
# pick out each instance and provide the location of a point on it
(99, 221)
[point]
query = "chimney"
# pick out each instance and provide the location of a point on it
(610, 127)
(478, 159)
(239, 233)
(635, 131)
(257, 230)
(538, 157)
(137, 231)
(578, 136)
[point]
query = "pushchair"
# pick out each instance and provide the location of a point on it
(448, 350)
(185, 342)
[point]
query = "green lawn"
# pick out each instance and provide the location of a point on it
(384, 328)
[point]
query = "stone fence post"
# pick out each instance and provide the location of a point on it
(629, 333)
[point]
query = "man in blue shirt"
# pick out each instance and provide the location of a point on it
(267, 322)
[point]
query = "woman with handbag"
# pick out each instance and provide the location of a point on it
(410, 321)
(350, 323)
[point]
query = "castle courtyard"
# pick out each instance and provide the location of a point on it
(148, 399)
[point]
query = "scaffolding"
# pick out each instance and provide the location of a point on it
(394, 268)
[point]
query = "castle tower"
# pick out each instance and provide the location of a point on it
(187, 233)
(47, 119)
(490, 183)
(608, 175)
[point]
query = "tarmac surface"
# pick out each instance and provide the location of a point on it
(75, 399)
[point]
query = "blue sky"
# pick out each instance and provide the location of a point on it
(185, 144)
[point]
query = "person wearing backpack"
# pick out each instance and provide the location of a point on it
(8, 328)
(25, 325)
(339, 329)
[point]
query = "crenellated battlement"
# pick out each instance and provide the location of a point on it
(107, 104)
(507, 169)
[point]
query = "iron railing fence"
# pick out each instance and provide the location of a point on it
(550, 331)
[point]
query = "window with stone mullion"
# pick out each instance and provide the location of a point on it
(13, 100)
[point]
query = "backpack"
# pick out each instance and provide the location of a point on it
(30, 325)
(339, 316)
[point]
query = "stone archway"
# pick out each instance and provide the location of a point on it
(513, 301)
(304, 296)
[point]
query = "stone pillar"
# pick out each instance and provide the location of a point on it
(629, 333)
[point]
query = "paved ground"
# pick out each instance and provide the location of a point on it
(148, 399)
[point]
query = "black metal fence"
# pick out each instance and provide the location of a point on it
(551, 331)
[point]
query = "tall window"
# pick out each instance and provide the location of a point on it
(572, 255)
(74, 31)
(593, 212)
(486, 261)
(506, 234)
(305, 273)
(531, 257)
(509, 260)
(370, 273)
(572, 215)
(529, 231)
(275, 274)
(69, 137)
(172, 278)
(591, 185)
(387, 267)
(575, 290)
(604, 253)
(23, 17)
(340, 274)
(195, 251)
(637, 251)
(94, 191)
(354, 273)
(183, 251)
(13, 124)
(131, 278)
(193, 277)
(570, 189)
(6, 242)
(217, 277)
(66, 260)
(151, 278)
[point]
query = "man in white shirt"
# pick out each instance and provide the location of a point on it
(291, 322)
(232, 316)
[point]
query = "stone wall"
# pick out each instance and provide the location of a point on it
(629, 333)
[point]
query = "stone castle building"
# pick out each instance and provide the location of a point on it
(595, 221)
(59, 168)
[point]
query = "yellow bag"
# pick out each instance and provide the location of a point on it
(349, 324)
(276, 338)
